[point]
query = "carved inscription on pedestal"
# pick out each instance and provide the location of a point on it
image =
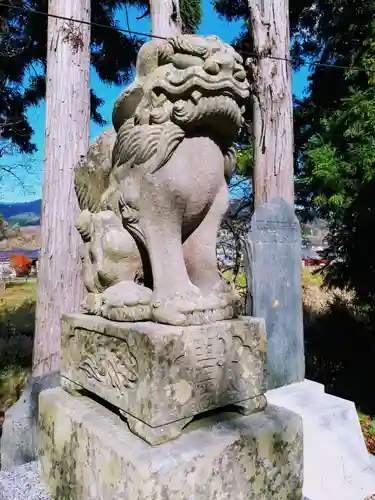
(210, 358)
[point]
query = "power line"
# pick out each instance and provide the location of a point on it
(149, 35)
(79, 21)
(127, 18)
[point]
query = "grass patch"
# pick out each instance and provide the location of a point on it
(368, 429)
(240, 281)
(17, 317)
(240, 284)
(16, 294)
(12, 381)
(310, 278)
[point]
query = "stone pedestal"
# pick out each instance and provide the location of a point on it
(88, 453)
(161, 376)
(336, 461)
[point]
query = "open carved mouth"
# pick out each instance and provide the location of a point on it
(195, 87)
(197, 95)
(187, 112)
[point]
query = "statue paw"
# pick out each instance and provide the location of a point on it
(177, 309)
(91, 304)
(126, 293)
(129, 301)
(125, 301)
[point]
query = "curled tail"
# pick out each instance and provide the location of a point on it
(92, 173)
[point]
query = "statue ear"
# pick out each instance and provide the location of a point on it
(151, 55)
(126, 105)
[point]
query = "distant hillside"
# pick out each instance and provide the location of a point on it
(24, 214)
(24, 219)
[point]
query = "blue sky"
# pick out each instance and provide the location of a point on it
(10, 191)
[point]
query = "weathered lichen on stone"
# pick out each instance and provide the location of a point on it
(156, 194)
(86, 453)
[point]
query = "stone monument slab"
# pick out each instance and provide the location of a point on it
(273, 268)
(161, 376)
(88, 453)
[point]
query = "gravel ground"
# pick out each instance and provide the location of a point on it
(22, 483)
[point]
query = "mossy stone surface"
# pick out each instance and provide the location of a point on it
(88, 453)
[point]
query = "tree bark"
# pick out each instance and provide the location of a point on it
(273, 119)
(60, 287)
(165, 18)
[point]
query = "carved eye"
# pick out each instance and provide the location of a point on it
(212, 67)
(240, 75)
(184, 61)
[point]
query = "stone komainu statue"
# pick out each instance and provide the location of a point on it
(153, 190)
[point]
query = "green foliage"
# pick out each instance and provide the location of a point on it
(17, 318)
(191, 14)
(245, 161)
(339, 173)
(309, 278)
(23, 52)
(12, 382)
(239, 280)
(340, 159)
(232, 10)
(334, 130)
(335, 139)
(320, 32)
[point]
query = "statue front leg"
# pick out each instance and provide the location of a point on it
(175, 297)
(173, 292)
(200, 253)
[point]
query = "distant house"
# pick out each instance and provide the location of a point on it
(31, 254)
(312, 255)
(6, 264)
(7, 274)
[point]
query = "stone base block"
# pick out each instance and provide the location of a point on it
(161, 376)
(336, 461)
(88, 453)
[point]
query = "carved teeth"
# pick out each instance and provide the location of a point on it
(196, 96)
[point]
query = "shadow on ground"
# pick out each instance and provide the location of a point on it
(340, 350)
(16, 345)
(16, 335)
